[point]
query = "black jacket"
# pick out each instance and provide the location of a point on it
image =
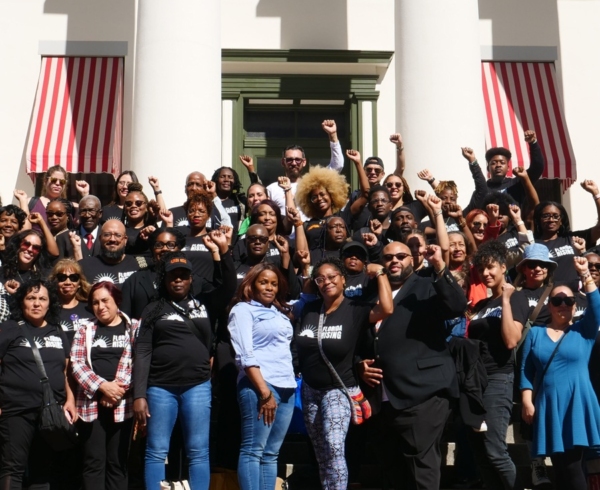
(410, 346)
(65, 249)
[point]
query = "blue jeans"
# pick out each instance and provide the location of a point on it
(257, 466)
(491, 451)
(192, 405)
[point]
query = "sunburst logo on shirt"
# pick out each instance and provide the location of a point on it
(106, 277)
(101, 341)
(173, 316)
(310, 331)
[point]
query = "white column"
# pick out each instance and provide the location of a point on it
(366, 107)
(227, 133)
(439, 102)
(177, 92)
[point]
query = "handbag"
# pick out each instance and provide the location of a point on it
(53, 425)
(359, 405)
(527, 429)
(175, 485)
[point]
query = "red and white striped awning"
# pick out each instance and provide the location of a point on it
(77, 117)
(522, 96)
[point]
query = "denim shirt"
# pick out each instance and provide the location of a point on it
(261, 337)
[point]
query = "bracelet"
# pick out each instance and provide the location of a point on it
(589, 281)
(462, 223)
(267, 398)
(156, 193)
(585, 275)
(519, 223)
(437, 213)
(597, 196)
(431, 181)
(287, 189)
(380, 272)
(297, 223)
(440, 271)
(401, 148)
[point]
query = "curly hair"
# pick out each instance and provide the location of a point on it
(322, 178)
(34, 284)
(48, 176)
(280, 230)
(200, 197)
(446, 184)
(332, 261)
(245, 291)
(10, 259)
(565, 224)
(492, 152)
(488, 252)
(406, 195)
(65, 264)
(179, 236)
(19, 214)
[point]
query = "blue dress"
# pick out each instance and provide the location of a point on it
(567, 413)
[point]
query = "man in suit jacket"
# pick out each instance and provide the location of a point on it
(90, 214)
(410, 366)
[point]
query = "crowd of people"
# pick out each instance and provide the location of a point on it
(202, 326)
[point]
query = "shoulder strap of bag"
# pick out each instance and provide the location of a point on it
(539, 383)
(534, 314)
(35, 351)
(332, 370)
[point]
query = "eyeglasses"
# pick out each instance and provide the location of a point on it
(123, 183)
(532, 264)
(294, 160)
(391, 185)
(192, 212)
(559, 300)
(55, 180)
(315, 198)
(373, 170)
(26, 244)
(594, 265)
(550, 216)
(319, 281)
(87, 211)
(381, 200)
(479, 224)
(60, 277)
(58, 214)
(398, 256)
(168, 245)
(107, 235)
(138, 204)
(257, 238)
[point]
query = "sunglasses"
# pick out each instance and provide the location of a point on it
(550, 216)
(391, 185)
(399, 256)
(60, 277)
(559, 300)
(478, 224)
(373, 170)
(319, 281)
(257, 238)
(58, 214)
(532, 264)
(55, 180)
(26, 244)
(90, 212)
(138, 204)
(594, 265)
(294, 160)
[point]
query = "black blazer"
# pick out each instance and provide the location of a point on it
(410, 346)
(65, 249)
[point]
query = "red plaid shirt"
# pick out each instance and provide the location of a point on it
(88, 381)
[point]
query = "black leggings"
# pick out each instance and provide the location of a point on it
(568, 468)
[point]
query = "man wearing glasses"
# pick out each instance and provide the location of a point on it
(112, 264)
(410, 368)
(294, 160)
(90, 214)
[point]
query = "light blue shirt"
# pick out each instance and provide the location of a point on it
(261, 337)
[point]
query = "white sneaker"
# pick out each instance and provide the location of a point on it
(483, 427)
(539, 475)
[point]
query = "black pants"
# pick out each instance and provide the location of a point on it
(105, 449)
(568, 469)
(23, 450)
(414, 434)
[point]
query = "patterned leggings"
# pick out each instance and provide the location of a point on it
(327, 417)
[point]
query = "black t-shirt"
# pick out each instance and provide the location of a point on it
(234, 212)
(96, 270)
(341, 331)
(180, 217)
(107, 348)
(71, 319)
(360, 287)
(316, 255)
(562, 252)
(273, 256)
(532, 296)
(135, 245)
(510, 239)
(486, 326)
(20, 387)
(199, 255)
(451, 225)
(314, 228)
(112, 211)
(169, 352)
